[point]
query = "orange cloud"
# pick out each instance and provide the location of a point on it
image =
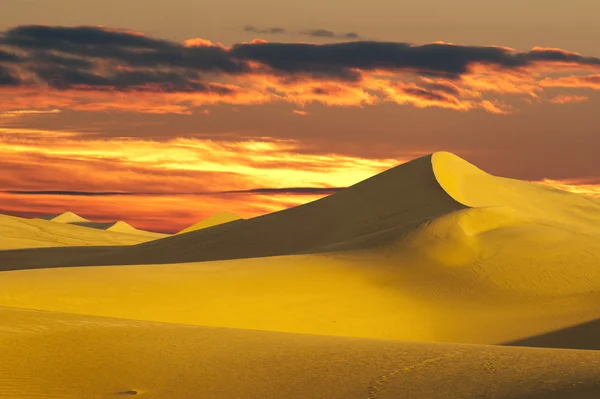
(574, 186)
(585, 82)
(184, 178)
(565, 99)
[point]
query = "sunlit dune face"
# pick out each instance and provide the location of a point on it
(167, 185)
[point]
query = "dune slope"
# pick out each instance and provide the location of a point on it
(51, 355)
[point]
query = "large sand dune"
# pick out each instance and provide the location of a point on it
(62, 356)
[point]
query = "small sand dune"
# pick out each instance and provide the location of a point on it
(19, 233)
(120, 227)
(63, 356)
(214, 220)
(65, 217)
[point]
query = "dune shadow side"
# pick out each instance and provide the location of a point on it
(45, 258)
(581, 336)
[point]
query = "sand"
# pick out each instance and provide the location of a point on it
(120, 227)
(434, 250)
(65, 217)
(19, 233)
(53, 355)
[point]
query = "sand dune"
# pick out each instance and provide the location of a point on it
(214, 220)
(18, 233)
(121, 227)
(64, 356)
(65, 217)
(398, 258)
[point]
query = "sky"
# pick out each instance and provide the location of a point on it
(164, 113)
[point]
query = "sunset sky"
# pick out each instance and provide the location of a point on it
(163, 113)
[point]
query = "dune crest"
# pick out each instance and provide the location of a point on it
(65, 217)
(214, 220)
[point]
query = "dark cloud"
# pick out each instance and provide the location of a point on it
(7, 78)
(269, 31)
(264, 191)
(122, 47)
(67, 78)
(6, 56)
(330, 34)
(44, 57)
(425, 94)
(99, 57)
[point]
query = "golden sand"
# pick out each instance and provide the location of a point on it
(18, 233)
(120, 227)
(434, 250)
(64, 356)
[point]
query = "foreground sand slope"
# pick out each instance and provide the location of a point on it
(52, 355)
(17, 233)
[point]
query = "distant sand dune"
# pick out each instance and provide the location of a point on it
(120, 227)
(63, 356)
(19, 233)
(65, 217)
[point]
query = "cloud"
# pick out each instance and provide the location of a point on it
(269, 31)
(583, 82)
(565, 99)
(575, 186)
(84, 67)
(270, 191)
(330, 34)
(47, 172)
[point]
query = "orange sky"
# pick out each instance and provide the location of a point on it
(161, 131)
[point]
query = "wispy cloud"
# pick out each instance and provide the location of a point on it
(45, 172)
